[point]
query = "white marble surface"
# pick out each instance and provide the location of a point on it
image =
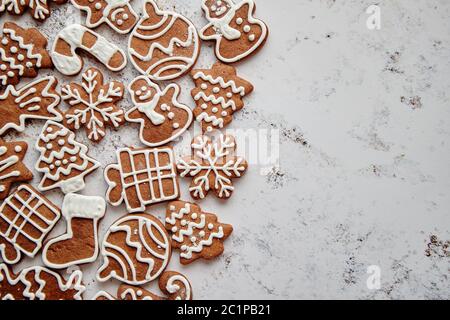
(363, 119)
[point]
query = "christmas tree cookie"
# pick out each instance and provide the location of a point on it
(63, 161)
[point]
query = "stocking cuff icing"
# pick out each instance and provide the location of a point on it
(79, 206)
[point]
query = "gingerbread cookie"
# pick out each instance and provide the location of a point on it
(22, 53)
(40, 9)
(196, 233)
(164, 45)
(119, 15)
(12, 168)
(93, 104)
(26, 217)
(136, 250)
(173, 284)
(76, 36)
(218, 94)
(212, 166)
(38, 283)
(79, 245)
(238, 34)
(63, 160)
(36, 100)
(161, 117)
(142, 177)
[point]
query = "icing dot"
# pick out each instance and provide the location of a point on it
(10, 74)
(215, 110)
(174, 229)
(209, 129)
(98, 6)
(29, 64)
(184, 247)
(194, 216)
(13, 49)
(239, 21)
(229, 95)
(139, 92)
(171, 115)
(73, 158)
(3, 67)
(120, 22)
(49, 129)
(65, 161)
(52, 167)
(247, 29)
(201, 233)
(193, 239)
(183, 222)
(172, 208)
(4, 41)
(204, 86)
(224, 113)
(176, 125)
(210, 226)
(251, 37)
(125, 16)
(216, 90)
(139, 292)
(164, 107)
(144, 88)
(49, 146)
(204, 106)
(213, 7)
(20, 57)
(17, 148)
(57, 163)
(61, 142)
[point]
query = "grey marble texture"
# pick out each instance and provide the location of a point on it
(360, 120)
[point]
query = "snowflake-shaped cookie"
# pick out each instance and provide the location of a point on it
(212, 166)
(93, 104)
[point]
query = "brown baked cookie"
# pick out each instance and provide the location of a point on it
(79, 245)
(142, 177)
(136, 250)
(74, 37)
(161, 117)
(238, 34)
(218, 94)
(212, 166)
(119, 15)
(196, 233)
(12, 168)
(63, 160)
(164, 45)
(39, 283)
(36, 100)
(22, 53)
(26, 217)
(39, 9)
(93, 104)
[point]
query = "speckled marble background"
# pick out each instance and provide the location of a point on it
(362, 118)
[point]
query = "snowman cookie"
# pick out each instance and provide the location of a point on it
(238, 34)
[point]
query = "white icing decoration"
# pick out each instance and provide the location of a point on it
(5, 164)
(103, 294)
(134, 295)
(28, 105)
(171, 287)
(192, 40)
(148, 110)
(77, 206)
(150, 177)
(103, 50)
(149, 259)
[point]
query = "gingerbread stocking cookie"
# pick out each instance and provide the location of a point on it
(39, 9)
(22, 53)
(38, 283)
(63, 161)
(136, 250)
(93, 104)
(212, 166)
(161, 117)
(218, 94)
(238, 34)
(12, 168)
(164, 45)
(79, 245)
(196, 233)
(36, 100)
(76, 36)
(26, 217)
(142, 177)
(119, 15)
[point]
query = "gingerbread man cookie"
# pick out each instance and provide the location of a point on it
(119, 15)
(36, 100)
(76, 36)
(26, 217)
(238, 34)
(136, 250)
(164, 45)
(12, 168)
(38, 283)
(22, 53)
(63, 160)
(161, 117)
(40, 9)
(218, 94)
(93, 104)
(79, 245)
(196, 233)
(212, 166)
(142, 177)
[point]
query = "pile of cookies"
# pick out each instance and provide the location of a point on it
(162, 46)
